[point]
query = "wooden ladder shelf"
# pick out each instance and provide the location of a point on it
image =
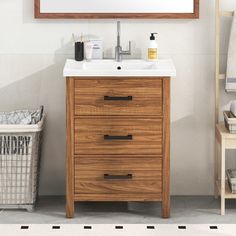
(224, 140)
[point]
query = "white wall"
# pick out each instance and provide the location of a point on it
(32, 54)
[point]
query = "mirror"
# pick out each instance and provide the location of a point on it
(117, 9)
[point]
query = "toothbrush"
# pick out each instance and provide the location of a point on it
(73, 37)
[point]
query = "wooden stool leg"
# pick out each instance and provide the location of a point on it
(216, 177)
(222, 178)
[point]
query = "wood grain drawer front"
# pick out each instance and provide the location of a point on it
(118, 136)
(118, 175)
(118, 96)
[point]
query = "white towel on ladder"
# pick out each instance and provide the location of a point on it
(231, 62)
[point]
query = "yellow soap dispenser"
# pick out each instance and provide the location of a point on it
(152, 48)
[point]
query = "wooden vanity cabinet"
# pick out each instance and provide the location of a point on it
(118, 140)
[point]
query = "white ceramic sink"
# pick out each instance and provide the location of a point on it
(163, 67)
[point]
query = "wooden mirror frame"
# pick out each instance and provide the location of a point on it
(38, 14)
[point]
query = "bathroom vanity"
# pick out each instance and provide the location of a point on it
(118, 131)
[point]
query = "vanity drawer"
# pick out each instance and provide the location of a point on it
(118, 175)
(118, 136)
(118, 96)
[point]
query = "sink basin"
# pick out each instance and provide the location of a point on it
(163, 67)
(125, 65)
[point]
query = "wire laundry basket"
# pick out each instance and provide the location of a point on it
(19, 164)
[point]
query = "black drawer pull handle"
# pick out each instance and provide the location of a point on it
(109, 137)
(117, 177)
(108, 98)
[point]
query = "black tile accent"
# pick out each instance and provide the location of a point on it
(213, 227)
(119, 227)
(181, 227)
(24, 227)
(150, 227)
(87, 227)
(56, 227)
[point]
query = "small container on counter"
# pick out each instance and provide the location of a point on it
(97, 49)
(88, 50)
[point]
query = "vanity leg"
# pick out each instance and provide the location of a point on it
(70, 148)
(166, 208)
(70, 209)
(166, 151)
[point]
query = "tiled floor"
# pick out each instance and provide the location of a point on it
(117, 230)
(184, 210)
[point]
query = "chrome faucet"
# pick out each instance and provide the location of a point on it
(118, 49)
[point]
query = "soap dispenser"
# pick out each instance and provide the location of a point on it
(152, 48)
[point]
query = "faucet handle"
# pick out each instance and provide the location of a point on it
(130, 47)
(128, 52)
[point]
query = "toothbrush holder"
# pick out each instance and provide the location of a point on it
(79, 51)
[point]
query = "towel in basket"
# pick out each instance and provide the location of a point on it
(25, 117)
